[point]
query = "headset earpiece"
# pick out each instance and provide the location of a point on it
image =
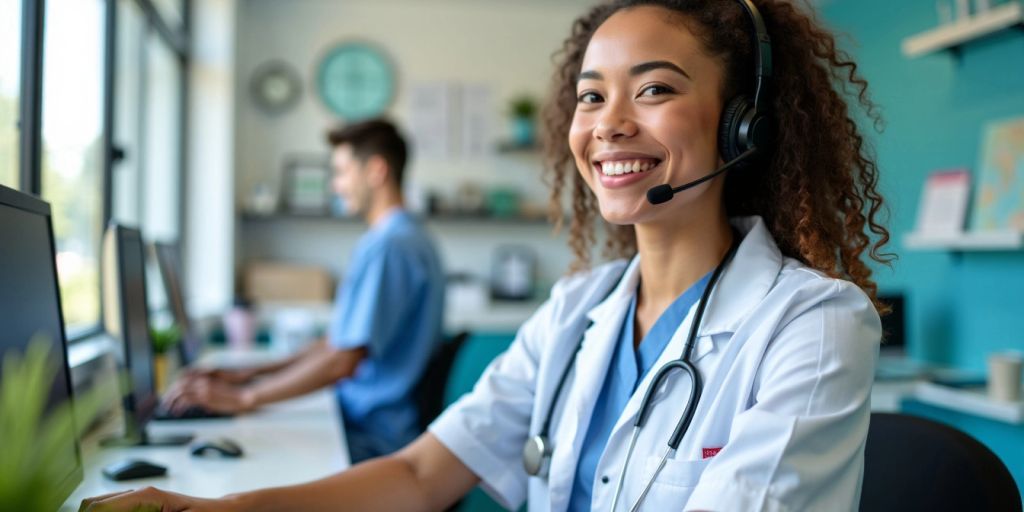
(742, 128)
(728, 139)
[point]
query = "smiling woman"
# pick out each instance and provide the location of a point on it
(817, 203)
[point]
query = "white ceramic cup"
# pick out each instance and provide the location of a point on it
(1004, 372)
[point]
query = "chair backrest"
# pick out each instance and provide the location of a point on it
(912, 463)
(431, 387)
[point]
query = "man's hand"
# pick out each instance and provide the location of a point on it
(211, 394)
(230, 376)
(151, 500)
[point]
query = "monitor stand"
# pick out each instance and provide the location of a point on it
(139, 437)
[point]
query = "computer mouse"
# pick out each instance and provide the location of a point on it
(222, 446)
(132, 469)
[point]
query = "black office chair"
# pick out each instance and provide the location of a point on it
(430, 389)
(912, 463)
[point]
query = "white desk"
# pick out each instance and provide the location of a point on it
(286, 443)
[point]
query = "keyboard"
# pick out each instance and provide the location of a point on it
(191, 413)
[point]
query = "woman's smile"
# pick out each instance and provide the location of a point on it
(621, 169)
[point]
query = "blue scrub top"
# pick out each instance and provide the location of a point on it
(627, 368)
(391, 302)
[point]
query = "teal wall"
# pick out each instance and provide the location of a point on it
(959, 307)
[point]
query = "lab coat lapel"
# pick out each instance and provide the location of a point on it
(591, 368)
(746, 281)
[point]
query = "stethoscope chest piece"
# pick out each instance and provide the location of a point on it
(537, 456)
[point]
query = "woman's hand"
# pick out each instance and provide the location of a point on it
(152, 500)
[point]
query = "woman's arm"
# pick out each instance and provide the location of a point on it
(423, 476)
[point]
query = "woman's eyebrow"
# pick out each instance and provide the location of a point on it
(644, 67)
(638, 69)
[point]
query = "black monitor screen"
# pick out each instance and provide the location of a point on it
(894, 330)
(141, 399)
(30, 304)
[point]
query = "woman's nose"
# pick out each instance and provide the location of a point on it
(614, 124)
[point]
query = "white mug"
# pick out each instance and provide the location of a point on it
(1004, 372)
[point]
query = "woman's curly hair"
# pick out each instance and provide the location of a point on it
(817, 190)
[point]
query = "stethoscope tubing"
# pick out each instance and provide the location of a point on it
(696, 390)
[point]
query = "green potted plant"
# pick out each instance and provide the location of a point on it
(34, 438)
(523, 114)
(163, 339)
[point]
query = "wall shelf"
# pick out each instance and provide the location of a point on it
(446, 218)
(966, 241)
(951, 36)
(971, 401)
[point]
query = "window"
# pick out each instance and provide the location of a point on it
(10, 77)
(170, 11)
(162, 162)
(79, 108)
(72, 150)
(147, 131)
(126, 200)
(160, 221)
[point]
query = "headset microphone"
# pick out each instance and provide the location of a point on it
(662, 193)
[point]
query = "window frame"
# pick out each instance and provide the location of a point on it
(30, 109)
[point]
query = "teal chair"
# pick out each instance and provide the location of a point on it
(475, 354)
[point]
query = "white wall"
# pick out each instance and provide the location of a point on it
(502, 44)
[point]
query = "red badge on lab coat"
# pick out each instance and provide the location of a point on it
(711, 452)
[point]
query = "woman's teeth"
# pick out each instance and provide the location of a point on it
(626, 167)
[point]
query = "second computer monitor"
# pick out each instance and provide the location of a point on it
(170, 271)
(131, 321)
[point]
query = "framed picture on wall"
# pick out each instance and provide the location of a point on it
(306, 186)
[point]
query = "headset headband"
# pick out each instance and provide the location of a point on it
(762, 51)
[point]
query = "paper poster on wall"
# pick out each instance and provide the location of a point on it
(477, 113)
(943, 205)
(999, 203)
(430, 120)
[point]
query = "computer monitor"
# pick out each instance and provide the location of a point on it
(30, 307)
(128, 311)
(170, 271)
(894, 330)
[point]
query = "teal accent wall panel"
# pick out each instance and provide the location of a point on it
(959, 307)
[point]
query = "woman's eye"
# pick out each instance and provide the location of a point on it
(589, 97)
(655, 90)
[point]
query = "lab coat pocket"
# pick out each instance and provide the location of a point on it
(677, 473)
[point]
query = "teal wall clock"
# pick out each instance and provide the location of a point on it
(356, 81)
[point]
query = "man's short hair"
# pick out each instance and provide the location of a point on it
(374, 137)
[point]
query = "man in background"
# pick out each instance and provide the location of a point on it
(387, 313)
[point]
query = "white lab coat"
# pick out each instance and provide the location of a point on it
(787, 357)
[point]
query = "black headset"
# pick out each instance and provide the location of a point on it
(745, 124)
(745, 129)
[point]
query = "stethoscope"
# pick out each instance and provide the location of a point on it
(538, 449)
